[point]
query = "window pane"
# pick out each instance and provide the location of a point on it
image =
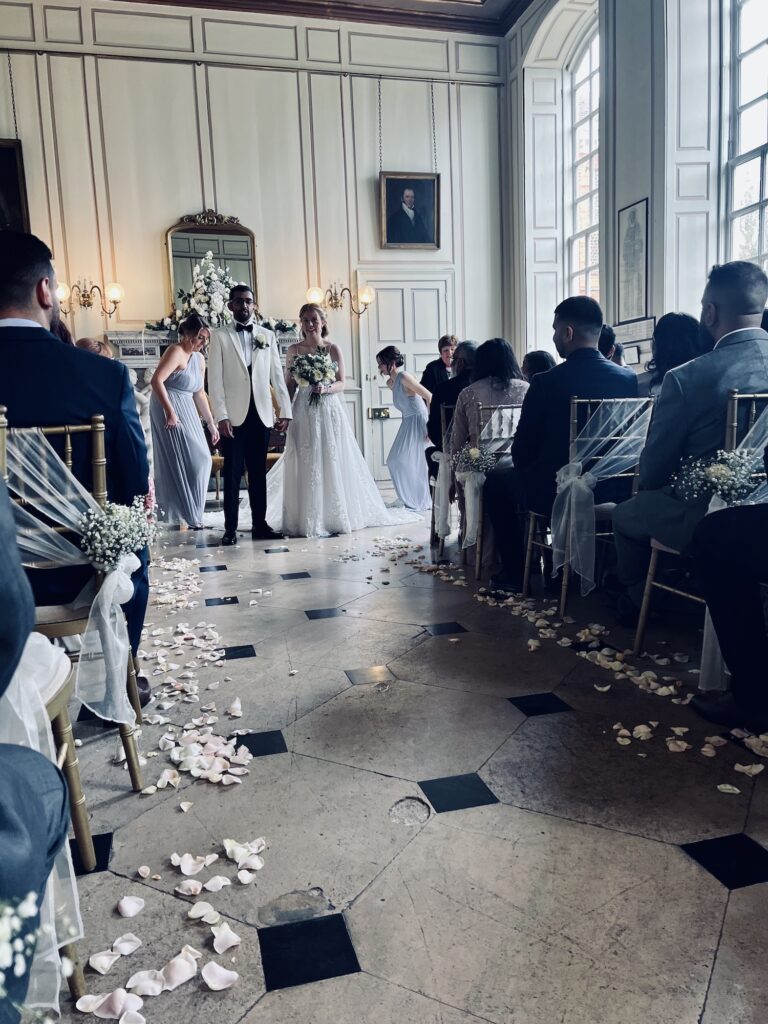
(593, 249)
(753, 75)
(595, 209)
(582, 215)
(744, 231)
(595, 92)
(579, 285)
(579, 254)
(583, 69)
(753, 24)
(582, 179)
(753, 127)
(595, 48)
(595, 131)
(593, 286)
(764, 239)
(595, 171)
(746, 184)
(582, 141)
(581, 103)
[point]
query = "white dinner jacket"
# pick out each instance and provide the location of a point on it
(230, 385)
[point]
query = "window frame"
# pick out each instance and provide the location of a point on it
(572, 125)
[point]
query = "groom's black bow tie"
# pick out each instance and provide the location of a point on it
(244, 327)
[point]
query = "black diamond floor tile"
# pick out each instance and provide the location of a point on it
(295, 576)
(275, 551)
(102, 846)
(457, 792)
(323, 613)
(214, 602)
(443, 628)
(306, 951)
(736, 861)
(239, 651)
(540, 704)
(213, 568)
(262, 743)
(375, 674)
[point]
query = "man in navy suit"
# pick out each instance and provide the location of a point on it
(542, 438)
(46, 383)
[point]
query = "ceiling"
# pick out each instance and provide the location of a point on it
(488, 17)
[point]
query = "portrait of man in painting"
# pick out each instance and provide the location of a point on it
(410, 210)
(14, 213)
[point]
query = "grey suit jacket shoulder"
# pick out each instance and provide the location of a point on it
(690, 412)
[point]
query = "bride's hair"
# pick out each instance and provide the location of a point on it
(309, 307)
(390, 355)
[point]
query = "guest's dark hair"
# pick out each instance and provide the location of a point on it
(62, 332)
(537, 362)
(495, 358)
(467, 352)
(741, 287)
(390, 355)
(581, 313)
(764, 322)
(240, 288)
(607, 340)
(192, 324)
(676, 340)
(95, 346)
(312, 306)
(24, 260)
(446, 340)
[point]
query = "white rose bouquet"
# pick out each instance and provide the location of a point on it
(117, 530)
(208, 297)
(473, 460)
(313, 368)
(729, 475)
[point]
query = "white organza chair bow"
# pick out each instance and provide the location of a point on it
(441, 500)
(608, 446)
(38, 478)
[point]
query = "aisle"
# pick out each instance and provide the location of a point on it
(453, 832)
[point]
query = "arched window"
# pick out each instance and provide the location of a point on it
(583, 246)
(748, 144)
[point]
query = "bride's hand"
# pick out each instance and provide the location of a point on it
(318, 389)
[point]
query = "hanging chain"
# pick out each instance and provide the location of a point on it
(434, 130)
(13, 96)
(379, 95)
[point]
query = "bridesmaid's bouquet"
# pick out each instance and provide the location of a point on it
(313, 368)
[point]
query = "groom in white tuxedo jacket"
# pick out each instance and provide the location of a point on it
(243, 360)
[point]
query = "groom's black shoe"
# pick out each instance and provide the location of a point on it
(265, 533)
(722, 709)
(228, 539)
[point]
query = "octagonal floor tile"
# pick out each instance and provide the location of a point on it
(415, 605)
(407, 730)
(738, 992)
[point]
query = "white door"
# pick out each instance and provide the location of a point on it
(411, 316)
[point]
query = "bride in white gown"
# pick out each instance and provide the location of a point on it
(322, 486)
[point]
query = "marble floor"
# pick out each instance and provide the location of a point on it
(461, 821)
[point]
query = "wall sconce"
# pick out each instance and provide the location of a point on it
(335, 299)
(86, 296)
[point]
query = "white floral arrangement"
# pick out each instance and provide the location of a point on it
(473, 460)
(313, 368)
(729, 475)
(209, 296)
(110, 533)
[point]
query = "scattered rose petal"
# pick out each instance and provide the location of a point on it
(189, 887)
(144, 871)
(185, 805)
(623, 741)
(126, 944)
(677, 746)
(132, 1017)
(749, 769)
(115, 1004)
(708, 750)
(235, 709)
(101, 962)
(716, 741)
(642, 732)
(245, 877)
(727, 788)
(680, 730)
(148, 790)
(224, 938)
(146, 983)
(180, 969)
(130, 906)
(293, 672)
(216, 883)
(217, 977)
(88, 1003)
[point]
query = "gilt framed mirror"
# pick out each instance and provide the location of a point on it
(231, 244)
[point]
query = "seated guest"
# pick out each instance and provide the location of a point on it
(96, 346)
(689, 422)
(45, 383)
(731, 562)
(676, 340)
(62, 332)
(607, 342)
(439, 370)
(617, 356)
(535, 362)
(496, 380)
(34, 808)
(447, 393)
(541, 442)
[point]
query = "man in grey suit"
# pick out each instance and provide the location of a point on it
(689, 421)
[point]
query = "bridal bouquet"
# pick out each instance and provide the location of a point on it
(313, 368)
(473, 460)
(729, 475)
(110, 533)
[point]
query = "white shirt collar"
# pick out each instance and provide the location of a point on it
(20, 321)
(411, 213)
(731, 333)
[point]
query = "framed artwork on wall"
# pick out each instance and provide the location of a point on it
(409, 205)
(632, 271)
(14, 212)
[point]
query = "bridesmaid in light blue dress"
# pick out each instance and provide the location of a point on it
(405, 461)
(178, 403)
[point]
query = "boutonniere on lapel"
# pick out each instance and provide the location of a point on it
(259, 341)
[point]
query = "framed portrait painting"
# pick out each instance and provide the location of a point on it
(14, 212)
(410, 210)
(632, 252)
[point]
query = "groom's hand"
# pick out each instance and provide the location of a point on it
(282, 425)
(225, 428)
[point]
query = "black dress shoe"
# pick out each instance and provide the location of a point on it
(229, 539)
(722, 709)
(145, 690)
(265, 533)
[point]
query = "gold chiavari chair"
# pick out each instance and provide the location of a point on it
(741, 413)
(496, 429)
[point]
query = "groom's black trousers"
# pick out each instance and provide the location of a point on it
(247, 448)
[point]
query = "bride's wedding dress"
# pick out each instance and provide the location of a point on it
(322, 486)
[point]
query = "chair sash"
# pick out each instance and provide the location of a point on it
(472, 483)
(36, 474)
(609, 444)
(442, 494)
